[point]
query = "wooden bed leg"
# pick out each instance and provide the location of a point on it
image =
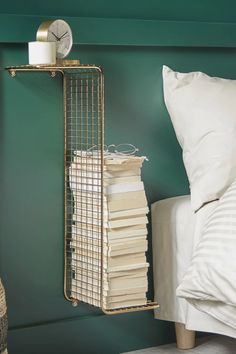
(185, 339)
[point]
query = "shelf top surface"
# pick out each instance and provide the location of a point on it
(53, 68)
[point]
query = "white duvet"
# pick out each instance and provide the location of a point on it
(210, 282)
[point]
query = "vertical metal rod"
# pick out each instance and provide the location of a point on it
(101, 114)
(65, 191)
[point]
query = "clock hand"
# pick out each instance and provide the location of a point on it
(57, 38)
(63, 35)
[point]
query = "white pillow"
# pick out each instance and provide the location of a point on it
(203, 113)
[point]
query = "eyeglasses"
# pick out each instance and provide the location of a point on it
(120, 149)
(112, 149)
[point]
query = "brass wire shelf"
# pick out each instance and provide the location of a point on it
(83, 91)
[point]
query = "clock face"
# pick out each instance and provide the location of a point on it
(57, 31)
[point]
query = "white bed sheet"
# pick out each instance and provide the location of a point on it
(175, 229)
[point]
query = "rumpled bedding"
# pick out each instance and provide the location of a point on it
(210, 282)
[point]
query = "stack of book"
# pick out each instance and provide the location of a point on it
(109, 233)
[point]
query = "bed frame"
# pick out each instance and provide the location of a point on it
(185, 339)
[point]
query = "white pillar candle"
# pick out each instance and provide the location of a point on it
(42, 53)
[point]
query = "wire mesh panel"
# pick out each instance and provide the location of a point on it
(84, 102)
(105, 202)
(88, 207)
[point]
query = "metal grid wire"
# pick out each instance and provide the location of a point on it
(84, 114)
(85, 242)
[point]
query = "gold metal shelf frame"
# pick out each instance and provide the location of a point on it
(83, 91)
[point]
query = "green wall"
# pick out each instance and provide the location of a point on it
(31, 218)
(31, 156)
(181, 10)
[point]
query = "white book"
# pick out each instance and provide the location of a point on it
(88, 209)
(109, 232)
(121, 180)
(124, 260)
(86, 288)
(109, 249)
(131, 272)
(92, 281)
(123, 188)
(123, 245)
(118, 223)
(112, 202)
(108, 159)
(109, 305)
(75, 171)
(127, 249)
(78, 240)
(108, 172)
(81, 187)
(126, 267)
(119, 298)
(126, 240)
(76, 178)
(116, 292)
(94, 277)
(123, 160)
(82, 230)
(94, 258)
(120, 271)
(88, 248)
(138, 269)
(94, 265)
(111, 189)
(134, 171)
(124, 201)
(123, 298)
(94, 233)
(121, 283)
(95, 213)
(113, 223)
(114, 284)
(122, 280)
(80, 296)
(115, 305)
(122, 167)
(83, 274)
(90, 222)
(91, 207)
(127, 303)
(134, 195)
(95, 292)
(127, 233)
(127, 213)
(87, 295)
(96, 166)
